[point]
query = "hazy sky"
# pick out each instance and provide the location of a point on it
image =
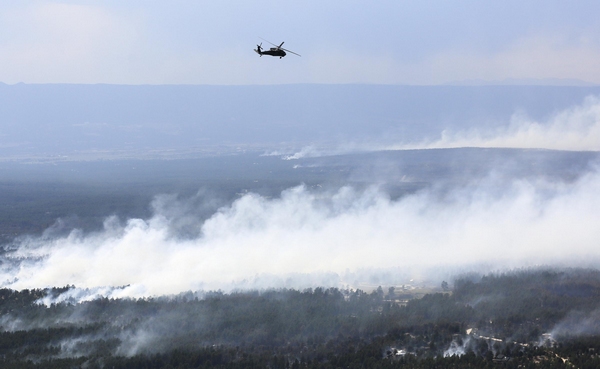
(211, 42)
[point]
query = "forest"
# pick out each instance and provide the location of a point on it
(542, 318)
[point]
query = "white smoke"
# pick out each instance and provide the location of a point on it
(457, 348)
(578, 323)
(316, 151)
(308, 237)
(576, 128)
(79, 295)
(310, 151)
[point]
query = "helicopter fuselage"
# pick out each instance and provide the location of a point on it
(272, 51)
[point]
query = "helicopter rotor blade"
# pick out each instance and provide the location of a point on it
(279, 47)
(290, 51)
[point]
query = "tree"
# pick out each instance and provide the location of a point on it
(391, 292)
(379, 293)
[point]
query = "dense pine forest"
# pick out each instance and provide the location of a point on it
(527, 318)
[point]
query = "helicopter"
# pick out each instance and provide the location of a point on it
(274, 51)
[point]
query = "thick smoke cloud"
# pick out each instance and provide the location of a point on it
(577, 128)
(306, 238)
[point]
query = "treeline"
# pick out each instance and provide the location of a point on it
(485, 321)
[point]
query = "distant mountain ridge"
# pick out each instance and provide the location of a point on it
(523, 82)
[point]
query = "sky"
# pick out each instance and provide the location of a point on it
(383, 42)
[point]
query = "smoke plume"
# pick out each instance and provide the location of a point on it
(325, 237)
(576, 128)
